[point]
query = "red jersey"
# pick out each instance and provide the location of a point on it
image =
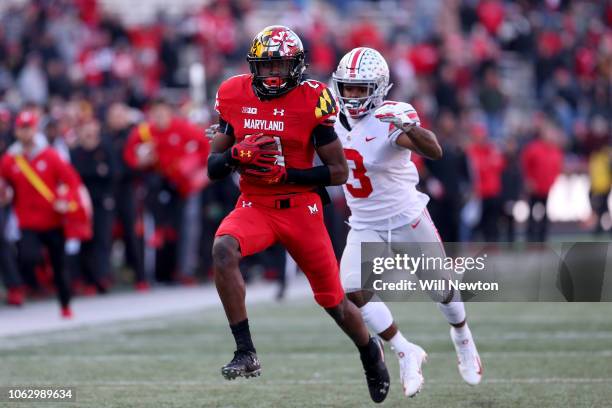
(488, 164)
(542, 162)
(34, 210)
(181, 151)
(290, 118)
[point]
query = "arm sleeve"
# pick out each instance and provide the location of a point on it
(113, 162)
(220, 164)
(129, 150)
(316, 176)
(322, 135)
(68, 174)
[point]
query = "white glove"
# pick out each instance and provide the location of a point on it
(211, 131)
(401, 114)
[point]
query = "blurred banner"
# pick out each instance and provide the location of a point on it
(488, 272)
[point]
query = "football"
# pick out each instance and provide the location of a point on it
(272, 143)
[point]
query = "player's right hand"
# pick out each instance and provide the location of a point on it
(401, 114)
(256, 150)
(211, 131)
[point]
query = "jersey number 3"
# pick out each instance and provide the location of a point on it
(358, 184)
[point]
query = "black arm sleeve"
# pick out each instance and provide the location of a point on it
(322, 135)
(220, 164)
(316, 176)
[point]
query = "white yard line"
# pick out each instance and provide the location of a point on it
(41, 317)
(319, 381)
(294, 355)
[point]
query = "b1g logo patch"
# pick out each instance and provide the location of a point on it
(248, 110)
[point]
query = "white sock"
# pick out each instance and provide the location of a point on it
(463, 331)
(399, 344)
(454, 311)
(376, 316)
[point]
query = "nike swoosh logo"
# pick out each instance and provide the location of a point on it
(368, 139)
(415, 224)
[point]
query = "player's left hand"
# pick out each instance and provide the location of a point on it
(275, 174)
(401, 114)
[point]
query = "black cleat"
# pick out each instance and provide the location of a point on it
(376, 373)
(244, 364)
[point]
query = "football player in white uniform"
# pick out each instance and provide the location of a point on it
(378, 137)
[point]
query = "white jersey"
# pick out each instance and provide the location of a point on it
(381, 188)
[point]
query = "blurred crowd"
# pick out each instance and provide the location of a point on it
(518, 92)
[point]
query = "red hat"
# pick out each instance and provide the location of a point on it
(26, 119)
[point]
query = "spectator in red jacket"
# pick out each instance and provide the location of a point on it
(44, 193)
(488, 165)
(541, 162)
(175, 153)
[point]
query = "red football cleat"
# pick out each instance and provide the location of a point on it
(142, 286)
(14, 297)
(67, 312)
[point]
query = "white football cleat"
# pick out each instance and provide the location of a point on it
(469, 363)
(410, 364)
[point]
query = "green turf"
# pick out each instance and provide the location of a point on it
(535, 355)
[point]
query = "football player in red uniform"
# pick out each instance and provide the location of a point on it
(271, 122)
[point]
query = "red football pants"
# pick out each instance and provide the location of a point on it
(295, 220)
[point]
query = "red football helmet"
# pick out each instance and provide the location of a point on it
(276, 60)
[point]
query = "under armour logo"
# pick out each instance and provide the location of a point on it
(246, 204)
(313, 208)
(244, 153)
(280, 112)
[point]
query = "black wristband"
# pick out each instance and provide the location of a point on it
(220, 164)
(316, 176)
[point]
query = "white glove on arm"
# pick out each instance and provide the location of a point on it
(401, 114)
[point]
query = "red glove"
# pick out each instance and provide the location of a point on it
(275, 174)
(256, 150)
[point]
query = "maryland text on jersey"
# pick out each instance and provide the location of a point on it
(262, 124)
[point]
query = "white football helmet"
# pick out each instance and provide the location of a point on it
(366, 67)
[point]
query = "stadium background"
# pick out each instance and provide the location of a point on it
(507, 71)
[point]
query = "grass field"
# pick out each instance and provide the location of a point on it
(535, 355)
